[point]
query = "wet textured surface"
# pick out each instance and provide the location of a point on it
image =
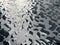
(29, 22)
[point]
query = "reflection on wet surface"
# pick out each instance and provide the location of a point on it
(29, 22)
